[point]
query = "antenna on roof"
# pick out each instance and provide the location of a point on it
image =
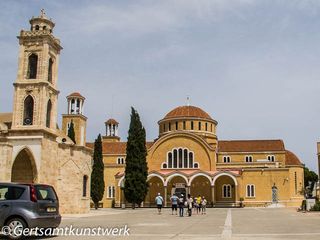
(112, 101)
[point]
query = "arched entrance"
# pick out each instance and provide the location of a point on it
(155, 186)
(23, 168)
(178, 184)
(201, 185)
(225, 190)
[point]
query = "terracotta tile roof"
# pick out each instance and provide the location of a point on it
(250, 146)
(75, 94)
(111, 121)
(6, 117)
(292, 159)
(115, 147)
(187, 111)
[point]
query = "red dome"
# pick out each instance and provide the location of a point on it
(112, 121)
(75, 94)
(187, 111)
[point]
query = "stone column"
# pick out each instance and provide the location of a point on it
(165, 196)
(69, 106)
(212, 193)
(188, 190)
(236, 189)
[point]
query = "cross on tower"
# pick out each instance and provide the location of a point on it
(43, 14)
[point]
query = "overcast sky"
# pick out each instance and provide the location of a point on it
(252, 65)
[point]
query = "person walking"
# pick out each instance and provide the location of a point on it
(159, 202)
(174, 203)
(181, 205)
(198, 204)
(195, 205)
(189, 205)
(204, 205)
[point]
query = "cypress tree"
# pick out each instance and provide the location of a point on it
(136, 171)
(71, 133)
(97, 175)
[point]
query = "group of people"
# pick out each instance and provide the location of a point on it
(192, 204)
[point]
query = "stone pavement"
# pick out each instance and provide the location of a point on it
(223, 223)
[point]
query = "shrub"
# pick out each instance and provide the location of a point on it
(316, 207)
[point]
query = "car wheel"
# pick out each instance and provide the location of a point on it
(15, 228)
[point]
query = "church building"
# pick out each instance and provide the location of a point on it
(188, 158)
(32, 147)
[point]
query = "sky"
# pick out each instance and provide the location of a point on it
(253, 65)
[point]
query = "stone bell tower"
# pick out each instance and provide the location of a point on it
(75, 115)
(35, 89)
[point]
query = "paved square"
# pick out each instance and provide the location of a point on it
(223, 223)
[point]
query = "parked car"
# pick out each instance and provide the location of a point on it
(28, 206)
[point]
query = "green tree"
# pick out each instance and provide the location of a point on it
(97, 175)
(309, 176)
(71, 133)
(136, 171)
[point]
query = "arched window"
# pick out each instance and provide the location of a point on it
(170, 160)
(190, 160)
(199, 126)
(185, 158)
(50, 70)
(226, 159)
(176, 125)
(184, 125)
(48, 120)
(191, 125)
(248, 158)
(73, 106)
(271, 158)
(28, 111)
(180, 158)
(206, 126)
(226, 191)
(169, 126)
(250, 190)
(175, 158)
(84, 187)
(32, 66)
(37, 27)
(44, 27)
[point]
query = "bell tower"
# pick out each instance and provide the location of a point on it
(111, 131)
(35, 89)
(75, 115)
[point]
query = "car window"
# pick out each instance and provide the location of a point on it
(3, 192)
(45, 193)
(10, 193)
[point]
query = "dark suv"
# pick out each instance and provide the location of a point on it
(28, 206)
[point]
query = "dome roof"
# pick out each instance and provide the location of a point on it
(76, 94)
(111, 121)
(187, 111)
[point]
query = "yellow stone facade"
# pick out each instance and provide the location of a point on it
(32, 148)
(187, 155)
